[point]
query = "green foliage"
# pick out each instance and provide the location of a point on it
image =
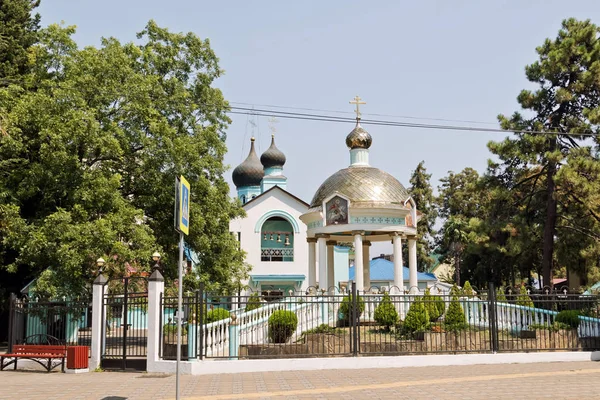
(18, 32)
(347, 307)
(500, 295)
(523, 298)
(455, 291)
(434, 305)
(282, 325)
(455, 319)
(467, 290)
(89, 151)
(422, 193)
(216, 315)
(569, 318)
(170, 330)
(385, 313)
(417, 319)
(555, 327)
(323, 328)
(253, 302)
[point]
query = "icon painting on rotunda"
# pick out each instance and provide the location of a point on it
(337, 211)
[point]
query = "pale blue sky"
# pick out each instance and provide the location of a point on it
(460, 60)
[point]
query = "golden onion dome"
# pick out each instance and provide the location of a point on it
(359, 138)
(362, 184)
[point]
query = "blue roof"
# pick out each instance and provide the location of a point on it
(383, 270)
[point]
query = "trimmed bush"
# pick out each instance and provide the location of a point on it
(417, 318)
(253, 302)
(455, 316)
(455, 291)
(467, 290)
(434, 304)
(385, 313)
(282, 325)
(346, 307)
(523, 298)
(500, 295)
(216, 315)
(170, 330)
(569, 317)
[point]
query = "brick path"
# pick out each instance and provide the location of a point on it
(574, 380)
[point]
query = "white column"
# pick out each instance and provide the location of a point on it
(330, 266)
(156, 287)
(366, 264)
(358, 261)
(98, 328)
(322, 243)
(398, 264)
(312, 262)
(412, 264)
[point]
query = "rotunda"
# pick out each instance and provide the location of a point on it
(360, 204)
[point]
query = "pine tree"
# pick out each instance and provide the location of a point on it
(422, 193)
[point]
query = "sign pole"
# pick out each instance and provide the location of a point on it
(179, 313)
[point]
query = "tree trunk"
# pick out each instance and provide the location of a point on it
(550, 225)
(457, 264)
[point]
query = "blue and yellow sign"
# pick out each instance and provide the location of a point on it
(184, 206)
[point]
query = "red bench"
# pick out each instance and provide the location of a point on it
(37, 353)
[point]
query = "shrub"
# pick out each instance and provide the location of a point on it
(417, 318)
(500, 295)
(569, 318)
(346, 307)
(385, 313)
(282, 325)
(434, 304)
(323, 328)
(455, 316)
(216, 315)
(467, 290)
(523, 298)
(455, 291)
(253, 302)
(170, 330)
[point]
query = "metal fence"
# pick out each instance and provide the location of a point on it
(321, 324)
(33, 322)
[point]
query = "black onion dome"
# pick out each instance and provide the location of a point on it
(250, 172)
(273, 157)
(359, 138)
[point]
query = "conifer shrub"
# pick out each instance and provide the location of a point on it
(253, 302)
(455, 316)
(523, 298)
(282, 325)
(434, 304)
(455, 291)
(216, 315)
(347, 307)
(467, 290)
(568, 317)
(417, 318)
(385, 313)
(500, 295)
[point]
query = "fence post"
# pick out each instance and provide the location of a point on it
(354, 316)
(156, 287)
(11, 322)
(200, 301)
(97, 320)
(492, 316)
(233, 338)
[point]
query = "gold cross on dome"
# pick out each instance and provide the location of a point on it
(358, 102)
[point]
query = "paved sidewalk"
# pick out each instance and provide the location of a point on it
(574, 380)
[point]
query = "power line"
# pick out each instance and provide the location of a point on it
(331, 118)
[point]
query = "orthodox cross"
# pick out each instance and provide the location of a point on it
(272, 127)
(358, 102)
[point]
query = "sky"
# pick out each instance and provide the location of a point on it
(450, 60)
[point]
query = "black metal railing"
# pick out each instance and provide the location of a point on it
(319, 323)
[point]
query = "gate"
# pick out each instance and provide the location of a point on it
(124, 324)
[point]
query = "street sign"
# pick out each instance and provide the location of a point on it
(183, 208)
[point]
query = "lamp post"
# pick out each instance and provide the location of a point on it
(156, 259)
(100, 263)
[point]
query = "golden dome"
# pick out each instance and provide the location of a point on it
(362, 184)
(359, 138)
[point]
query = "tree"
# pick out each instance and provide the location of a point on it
(560, 112)
(18, 32)
(422, 193)
(90, 157)
(455, 238)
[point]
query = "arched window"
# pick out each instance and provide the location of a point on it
(277, 240)
(243, 198)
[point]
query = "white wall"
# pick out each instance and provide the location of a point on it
(251, 240)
